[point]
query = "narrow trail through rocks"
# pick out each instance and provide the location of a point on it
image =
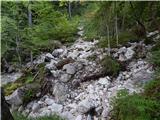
(91, 100)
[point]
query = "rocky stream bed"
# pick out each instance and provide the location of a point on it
(77, 93)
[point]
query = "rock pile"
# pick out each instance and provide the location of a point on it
(73, 99)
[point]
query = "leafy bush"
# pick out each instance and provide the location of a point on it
(110, 66)
(18, 116)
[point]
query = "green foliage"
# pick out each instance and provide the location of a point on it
(49, 23)
(29, 79)
(156, 58)
(128, 14)
(11, 87)
(18, 116)
(110, 66)
(136, 107)
(124, 38)
(122, 93)
(152, 89)
(28, 96)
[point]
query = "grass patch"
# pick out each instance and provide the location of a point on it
(18, 116)
(136, 107)
(143, 106)
(11, 87)
(152, 89)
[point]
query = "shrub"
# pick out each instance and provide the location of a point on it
(156, 47)
(28, 96)
(156, 58)
(110, 66)
(135, 107)
(152, 89)
(143, 106)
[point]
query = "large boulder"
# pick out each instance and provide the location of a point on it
(63, 62)
(56, 108)
(85, 106)
(16, 98)
(70, 68)
(125, 54)
(151, 34)
(48, 57)
(5, 112)
(57, 52)
(49, 101)
(23, 94)
(129, 53)
(6, 78)
(67, 115)
(74, 54)
(60, 92)
(142, 76)
(104, 81)
(65, 77)
(79, 117)
(51, 65)
(35, 107)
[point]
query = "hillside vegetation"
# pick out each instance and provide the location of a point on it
(81, 60)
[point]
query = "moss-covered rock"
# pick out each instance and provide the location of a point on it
(11, 87)
(30, 82)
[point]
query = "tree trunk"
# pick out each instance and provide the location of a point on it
(69, 10)
(117, 39)
(116, 25)
(123, 20)
(30, 25)
(109, 47)
(29, 15)
(17, 50)
(31, 56)
(5, 112)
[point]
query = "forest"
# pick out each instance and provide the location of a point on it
(80, 60)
